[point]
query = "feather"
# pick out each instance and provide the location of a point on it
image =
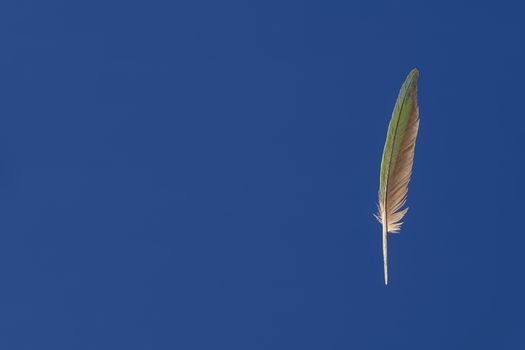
(397, 161)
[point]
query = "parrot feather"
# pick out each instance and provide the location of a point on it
(397, 161)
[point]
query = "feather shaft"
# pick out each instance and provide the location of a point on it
(385, 253)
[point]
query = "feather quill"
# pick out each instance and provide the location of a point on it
(397, 161)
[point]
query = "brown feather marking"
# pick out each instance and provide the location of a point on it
(397, 188)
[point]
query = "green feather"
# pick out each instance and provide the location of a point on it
(397, 161)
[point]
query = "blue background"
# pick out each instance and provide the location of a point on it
(203, 174)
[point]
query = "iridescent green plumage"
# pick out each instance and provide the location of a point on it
(398, 157)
